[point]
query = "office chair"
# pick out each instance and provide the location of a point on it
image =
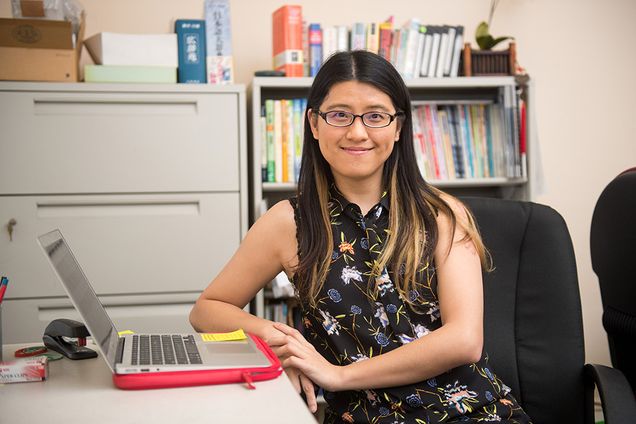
(613, 249)
(533, 331)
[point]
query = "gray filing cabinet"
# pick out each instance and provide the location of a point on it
(148, 183)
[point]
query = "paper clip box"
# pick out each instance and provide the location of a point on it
(24, 370)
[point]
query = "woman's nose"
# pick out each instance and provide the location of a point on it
(357, 130)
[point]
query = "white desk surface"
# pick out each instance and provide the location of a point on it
(83, 391)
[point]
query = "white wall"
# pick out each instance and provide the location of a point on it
(578, 52)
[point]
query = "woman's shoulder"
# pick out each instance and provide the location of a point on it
(279, 217)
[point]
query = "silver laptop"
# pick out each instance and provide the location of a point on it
(143, 353)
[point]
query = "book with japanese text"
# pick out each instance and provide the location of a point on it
(220, 67)
(192, 51)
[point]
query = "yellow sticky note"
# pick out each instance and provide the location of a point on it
(224, 337)
(125, 332)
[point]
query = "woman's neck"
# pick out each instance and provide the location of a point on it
(364, 194)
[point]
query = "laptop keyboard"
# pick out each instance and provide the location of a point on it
(164, 349)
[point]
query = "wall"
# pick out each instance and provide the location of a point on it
(575, 50)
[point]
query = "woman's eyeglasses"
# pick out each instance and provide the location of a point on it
(339, 118)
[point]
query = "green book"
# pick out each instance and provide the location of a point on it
(130, 73)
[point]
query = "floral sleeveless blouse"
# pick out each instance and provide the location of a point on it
(359, 315)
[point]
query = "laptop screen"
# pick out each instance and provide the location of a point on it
(81, 293)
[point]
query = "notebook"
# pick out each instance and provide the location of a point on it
(140, 361)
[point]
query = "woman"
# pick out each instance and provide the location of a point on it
(386, 268)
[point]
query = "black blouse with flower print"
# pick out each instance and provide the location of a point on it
(359, 315)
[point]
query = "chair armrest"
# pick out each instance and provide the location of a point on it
(617, 398)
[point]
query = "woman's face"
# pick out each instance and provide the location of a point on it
(355, 152)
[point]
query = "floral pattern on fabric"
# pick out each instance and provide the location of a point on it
(360, 314)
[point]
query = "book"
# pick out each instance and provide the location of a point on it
(329, 42)
(435, 43)
(442, 52)
(263, 128)
(450, 49)
(373, 37)
(410, 33)
(386, 39)
(271, 155)
(287, 26)
(315, 48)
(358, 36)
(299, 109)
(123, 73)
(192, 51)
(457, 51)
(278, 142)
(218, 28)
(109, 48)
(421, 38)
(426, 51)
(343, 38)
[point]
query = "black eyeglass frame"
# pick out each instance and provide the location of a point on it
(323, 115)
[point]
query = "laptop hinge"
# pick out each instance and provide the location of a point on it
(120, 351)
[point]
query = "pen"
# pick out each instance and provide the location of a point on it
(3, 287)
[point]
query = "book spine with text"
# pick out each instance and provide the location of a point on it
(220, 67)
(192, 51)
(287, 26)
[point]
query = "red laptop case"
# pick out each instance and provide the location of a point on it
(158, 380)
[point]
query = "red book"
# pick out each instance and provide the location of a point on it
(288, 40)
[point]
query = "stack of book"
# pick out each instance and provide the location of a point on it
(466, 140)
(148, 58)
(416, 50)
(282, 139)
(452, 140)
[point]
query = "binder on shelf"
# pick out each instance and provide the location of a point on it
(218, 26)
(192, 51)
(287, 24)
(457, 51)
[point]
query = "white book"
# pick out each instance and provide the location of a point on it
(343, 38)
(443, 50)
(432, 65)
(110, 48)
(450, 48)
(421, 36)
(426, 54)
(329, 42)
(457, 51)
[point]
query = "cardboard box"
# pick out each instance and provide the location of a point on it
(39, 50)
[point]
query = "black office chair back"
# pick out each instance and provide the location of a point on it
(532, 318)
(613, 249)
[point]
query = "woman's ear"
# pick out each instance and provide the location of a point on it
(398, 130)
(313, 122)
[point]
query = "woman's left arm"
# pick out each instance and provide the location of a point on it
(457, 342)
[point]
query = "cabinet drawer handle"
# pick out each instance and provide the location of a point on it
(12, 223)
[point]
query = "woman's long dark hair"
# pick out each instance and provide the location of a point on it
(414, 204)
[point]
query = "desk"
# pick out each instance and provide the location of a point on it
(83, 391)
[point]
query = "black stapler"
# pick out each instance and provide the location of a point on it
(58, 336)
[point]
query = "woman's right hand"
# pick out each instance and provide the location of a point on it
(301, 383)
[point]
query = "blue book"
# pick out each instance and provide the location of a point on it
(315, 49)
(191, 43)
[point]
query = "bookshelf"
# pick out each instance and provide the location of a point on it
(500, 90)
